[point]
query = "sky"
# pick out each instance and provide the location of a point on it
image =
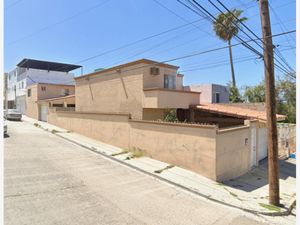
(76, 31)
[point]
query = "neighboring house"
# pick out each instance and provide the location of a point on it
(144, 88)
(42, 96)
(211, 93)
(30, 71)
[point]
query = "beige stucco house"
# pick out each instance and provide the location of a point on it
(143, 88)
(41, 96)
(125, 105)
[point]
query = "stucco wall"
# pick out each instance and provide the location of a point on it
(32, 108)
(164, 98)
(107, 93)
(186, 146)
(206, 92)
(157, 81)
(216, 154)
(153, 114)
(53, 91)
(111, 129)
(224, 93)
(233, 152)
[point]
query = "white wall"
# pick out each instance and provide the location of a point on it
(30, 76)
(262, 143)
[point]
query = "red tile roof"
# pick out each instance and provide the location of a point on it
(237, 111)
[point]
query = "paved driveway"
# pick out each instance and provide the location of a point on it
(51, 181)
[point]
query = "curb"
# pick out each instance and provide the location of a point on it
(286, 212)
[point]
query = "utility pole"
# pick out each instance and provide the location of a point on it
(270, 104)
(5, 92)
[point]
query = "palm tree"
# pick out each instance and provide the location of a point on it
(226, 26)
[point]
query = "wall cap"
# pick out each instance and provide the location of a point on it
(174, 124)
(233, 129)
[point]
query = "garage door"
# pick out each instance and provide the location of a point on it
(44, 113)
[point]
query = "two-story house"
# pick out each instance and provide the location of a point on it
(144, 89)
(41, 96)
(30, 71)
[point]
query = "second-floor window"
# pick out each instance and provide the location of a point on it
(170, 81)
(43, 88)
(29, 92)
(67, 92)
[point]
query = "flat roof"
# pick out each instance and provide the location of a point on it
(46, 65)
(146, 61)
(56, 98)
(236, 111)
(69, 85)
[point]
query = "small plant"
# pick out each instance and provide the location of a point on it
(270, 207)
(136, 153)
(166, 168)
(54, 131)
(36, 124)
(171, 116)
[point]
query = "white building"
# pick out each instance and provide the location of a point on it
(30, 71)
(211, 93)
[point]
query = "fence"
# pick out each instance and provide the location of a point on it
(200, 148)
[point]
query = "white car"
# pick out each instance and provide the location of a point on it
(12, 114)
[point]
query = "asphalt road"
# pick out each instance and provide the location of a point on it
(49, 180)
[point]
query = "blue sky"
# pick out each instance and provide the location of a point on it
(70, 31)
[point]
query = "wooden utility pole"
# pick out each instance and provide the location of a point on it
(270, 104)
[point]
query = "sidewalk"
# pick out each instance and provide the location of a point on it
(249, 192)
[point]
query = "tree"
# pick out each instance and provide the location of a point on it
(226, 26)
(285, 97)
(235, 95)
(255, 93)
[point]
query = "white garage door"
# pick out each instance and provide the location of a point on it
(44, 113)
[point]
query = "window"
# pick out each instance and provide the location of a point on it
(22, 84)
(66, 92)
(43, 88)
(217, 99)
(170, 81)
(29, 92)
(57, 105)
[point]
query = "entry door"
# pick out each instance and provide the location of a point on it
(44, 113)
(253, 147)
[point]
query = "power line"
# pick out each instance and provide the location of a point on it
(218, 65)
(59, 22)
(153, 47)
(137, 41)
(288, 67)
(195, 4)
(191, 55)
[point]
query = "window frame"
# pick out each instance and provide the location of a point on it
(169, 81)
(217, 93)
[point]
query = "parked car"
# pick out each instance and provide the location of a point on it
(12, 114)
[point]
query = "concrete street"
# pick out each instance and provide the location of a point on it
(49, 180)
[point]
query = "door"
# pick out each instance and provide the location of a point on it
(253, 147)
(43, 113)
